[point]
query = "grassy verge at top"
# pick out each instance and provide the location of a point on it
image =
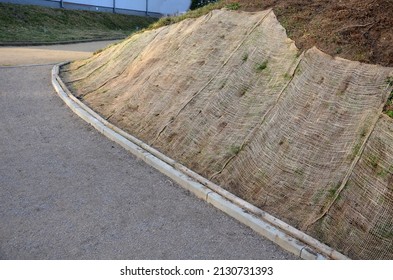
(191, 14)
(28, 24)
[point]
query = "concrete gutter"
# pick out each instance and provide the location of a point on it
(281, 233)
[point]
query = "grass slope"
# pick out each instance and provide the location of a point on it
(25, 23)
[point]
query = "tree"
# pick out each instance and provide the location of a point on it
(195, 4)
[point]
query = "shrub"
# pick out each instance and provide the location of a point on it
(195, 4)
(262, 66)
(233, 6)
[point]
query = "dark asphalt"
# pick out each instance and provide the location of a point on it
(67, 192)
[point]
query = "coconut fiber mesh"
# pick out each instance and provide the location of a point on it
(360, 223)
(230, 96)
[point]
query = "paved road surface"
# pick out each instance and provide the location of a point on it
(48, 54)
(67, 192)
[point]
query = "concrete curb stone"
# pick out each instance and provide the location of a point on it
(198, 185)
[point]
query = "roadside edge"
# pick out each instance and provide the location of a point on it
(277, 231)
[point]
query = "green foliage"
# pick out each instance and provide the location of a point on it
(298, 53)
(26, 23)
(389, 81)
(388, 109)
(364, 132)
(355, 151)
(299, 171)
(191, 14)
(332, 192)
(262, 66)
(245, 57)
(233, 6)
(382, 173)
(196, 4)
(234, 150)
(373, 161)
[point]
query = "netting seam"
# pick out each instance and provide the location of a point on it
(251, 135)
(351, 167)
(214, 76)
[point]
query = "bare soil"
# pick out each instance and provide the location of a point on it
(359, 30)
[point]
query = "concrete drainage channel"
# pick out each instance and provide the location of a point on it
(286, 236)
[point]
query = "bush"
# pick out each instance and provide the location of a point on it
(195, 4)
(233, 6)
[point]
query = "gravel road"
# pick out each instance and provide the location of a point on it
(67, 192)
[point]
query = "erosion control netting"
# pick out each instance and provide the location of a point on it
(363, 211)
(230, 96)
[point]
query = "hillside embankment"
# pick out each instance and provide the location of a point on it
(301, 135)
(358, 30)
(27, 24)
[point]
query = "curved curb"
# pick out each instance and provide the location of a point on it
(286, 236)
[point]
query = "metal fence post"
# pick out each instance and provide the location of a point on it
(147, 7)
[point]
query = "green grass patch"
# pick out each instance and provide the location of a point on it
(389, 81)
(355, 151)
(233, 6)
(389, 113)
(388, 109)
(245, 57)
(373, 159)
(234, 150)
(191, 14)
(333, 191)
(26, 23)
(262, 66)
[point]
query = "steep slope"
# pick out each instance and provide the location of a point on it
(354, 29)
(362, 215)
(231, 97)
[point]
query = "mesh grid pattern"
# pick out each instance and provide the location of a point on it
(228, 95)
